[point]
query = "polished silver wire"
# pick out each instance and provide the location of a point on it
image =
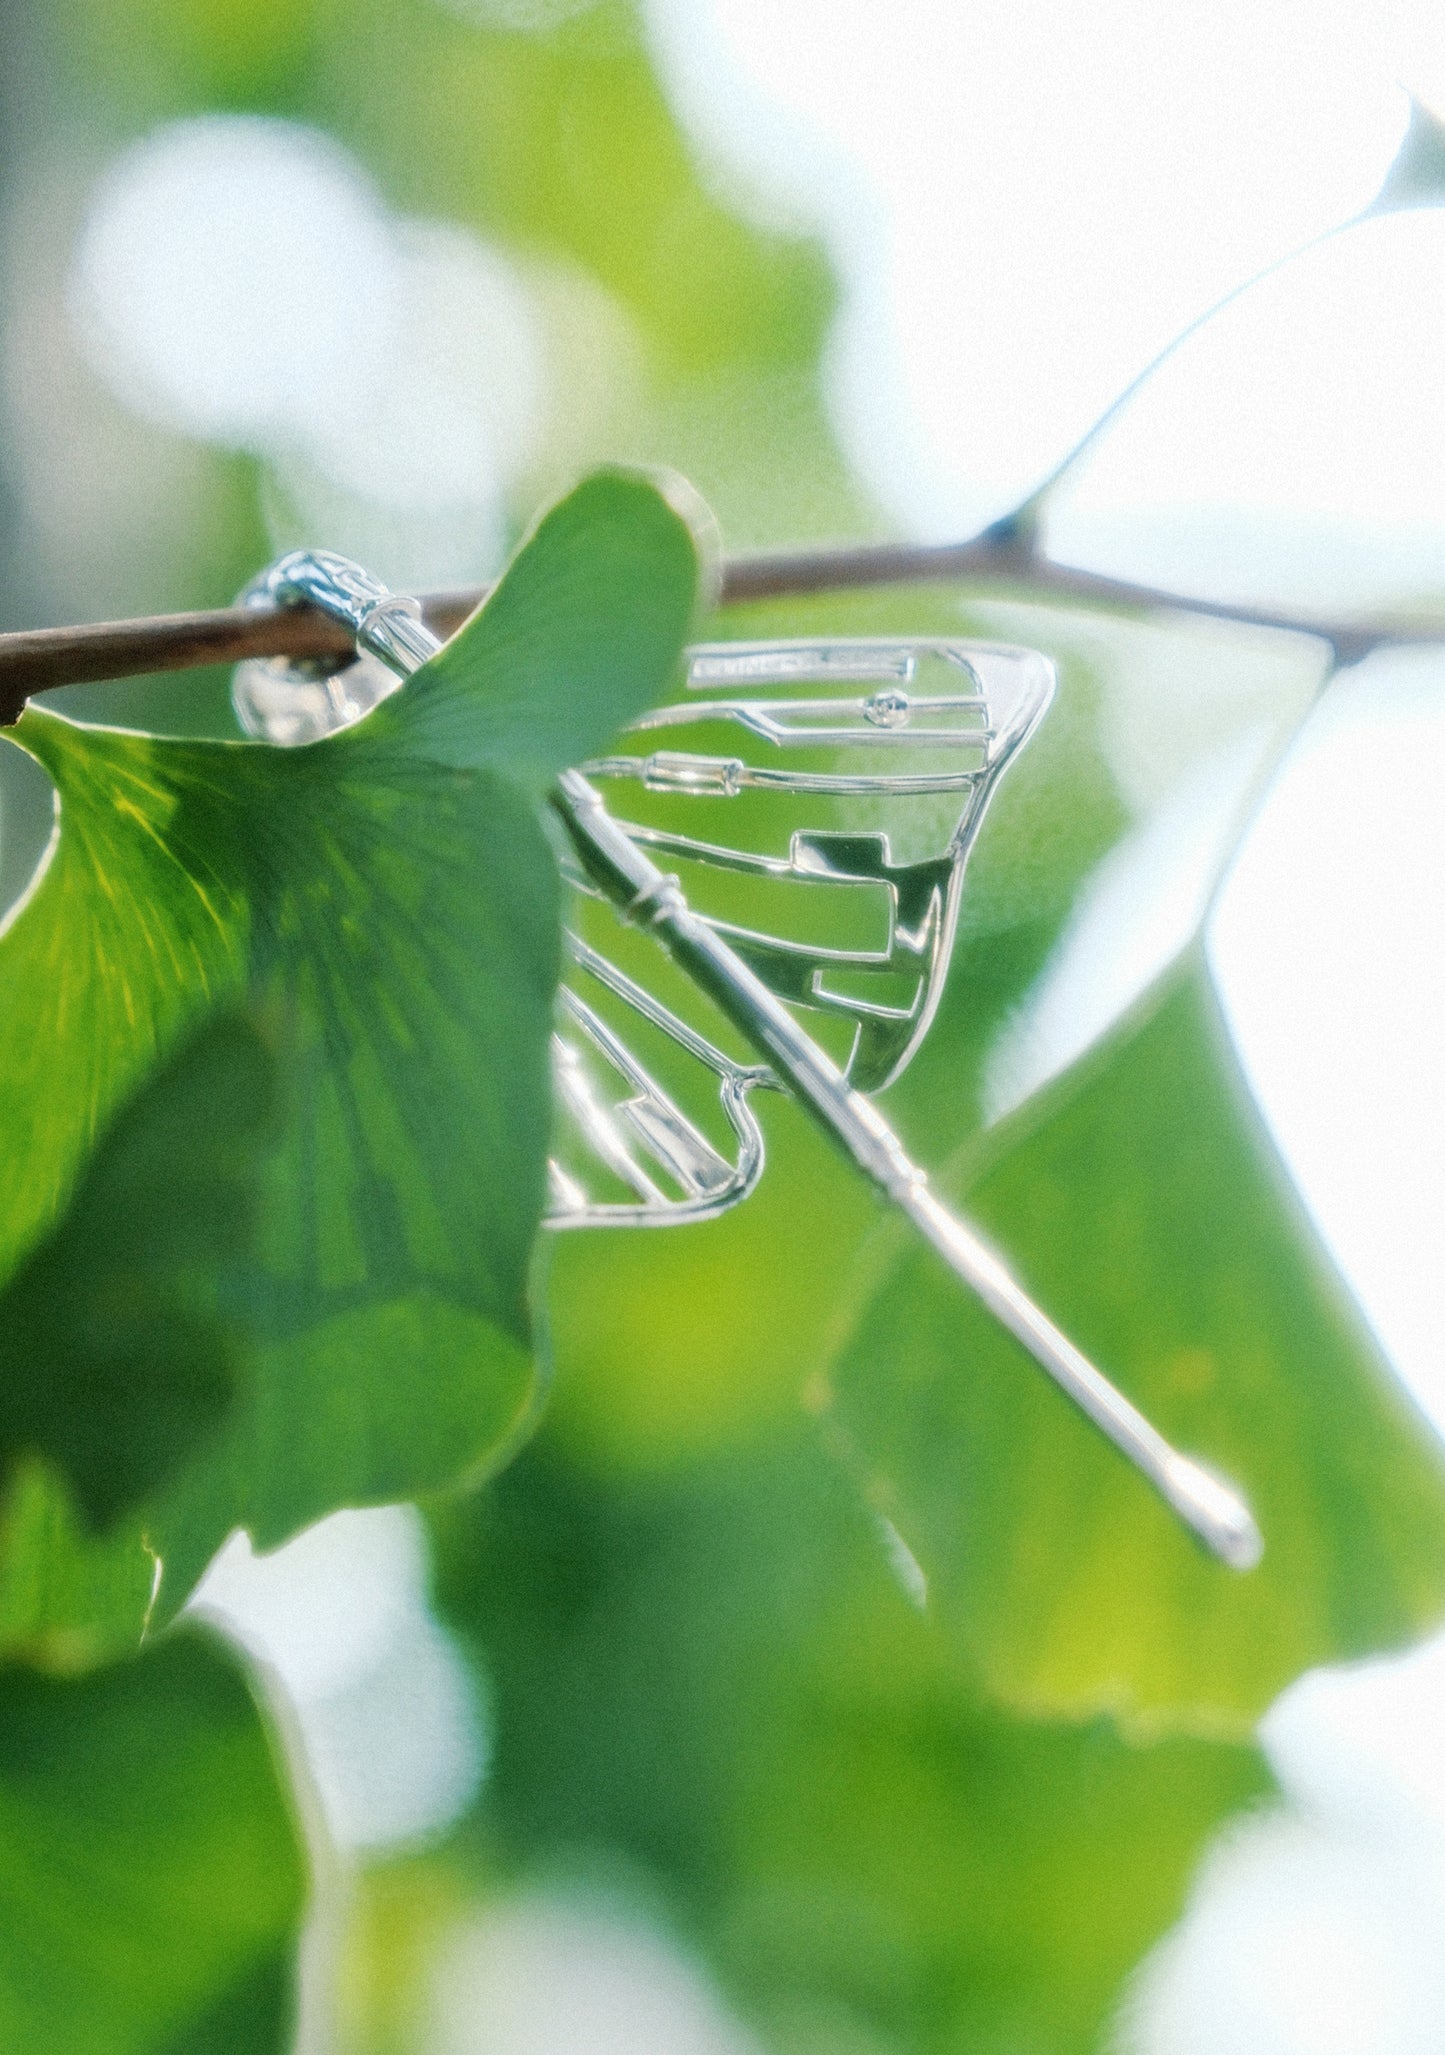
(615, 858)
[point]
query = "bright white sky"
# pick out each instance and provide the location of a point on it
(1026, 200)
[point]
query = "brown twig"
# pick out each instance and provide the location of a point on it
(39, 659)
(997, 558)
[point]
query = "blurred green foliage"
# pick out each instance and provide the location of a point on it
(557, 145)
(713, 1696)
(151, 1889)
(1144, 1206)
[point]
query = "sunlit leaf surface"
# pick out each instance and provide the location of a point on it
(1289, 454)
(581, 636)
(1148, 1214)
(151, 1883)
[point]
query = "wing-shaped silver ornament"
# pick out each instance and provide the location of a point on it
(815, 802)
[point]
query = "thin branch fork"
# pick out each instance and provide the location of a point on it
(40, 659)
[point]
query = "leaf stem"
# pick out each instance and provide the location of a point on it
(41, 659)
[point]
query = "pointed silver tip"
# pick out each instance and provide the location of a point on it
(1215, 1510)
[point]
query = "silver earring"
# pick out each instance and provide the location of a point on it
(907, 741)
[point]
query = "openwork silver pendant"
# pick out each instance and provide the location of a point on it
(814, 804)
(844, 810)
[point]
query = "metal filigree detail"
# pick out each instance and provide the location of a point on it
(888, 746)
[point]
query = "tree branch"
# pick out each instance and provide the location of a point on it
(39, 659)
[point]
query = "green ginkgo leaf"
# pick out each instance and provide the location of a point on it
(518, 688)
(1143, 1204)
(388, 896)
(151, 1879)
(115, 1357)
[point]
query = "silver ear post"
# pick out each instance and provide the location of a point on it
(614, 858)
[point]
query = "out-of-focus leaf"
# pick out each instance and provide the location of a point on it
(1289, 453)
(715, 1689)
(257, 2013)
(68, 1597)
(1417, 176)
(397, 911)
(565, 142)
(1143, 1206)
(114, 1360)
(151, 1882)
(672, 328)
(165, 59)
(559, 139)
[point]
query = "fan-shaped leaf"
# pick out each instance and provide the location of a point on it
(389, 896)
(1144, 1207)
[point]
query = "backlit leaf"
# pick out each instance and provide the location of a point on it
(390, 898)
(1146, 1211)
(562, 655)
